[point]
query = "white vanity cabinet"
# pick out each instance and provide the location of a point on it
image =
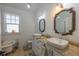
(41, 48)
(38, 48)
(0, 27)
(54, 51)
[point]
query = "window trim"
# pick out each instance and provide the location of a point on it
(5, 27)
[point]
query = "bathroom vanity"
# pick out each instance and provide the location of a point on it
(51, 49)
(70, 50)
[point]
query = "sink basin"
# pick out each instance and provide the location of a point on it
(37, 36)
(58, 43)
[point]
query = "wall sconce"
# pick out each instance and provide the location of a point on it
(58, 8)
(60, 5)
(42, 16)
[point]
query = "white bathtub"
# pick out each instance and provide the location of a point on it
(7, 46)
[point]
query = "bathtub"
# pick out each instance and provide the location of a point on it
(8, 46)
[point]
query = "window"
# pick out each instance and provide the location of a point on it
(12, 23)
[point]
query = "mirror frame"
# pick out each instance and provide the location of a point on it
(73, 21)
(41, 30)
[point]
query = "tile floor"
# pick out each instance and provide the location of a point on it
(21, 52)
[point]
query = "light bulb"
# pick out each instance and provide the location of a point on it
(28, 5)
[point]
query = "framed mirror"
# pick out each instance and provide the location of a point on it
(64, 21)
(42, 25)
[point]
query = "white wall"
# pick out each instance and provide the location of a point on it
(0, 27)
(43, 10)
(48, 10)
(26, 25)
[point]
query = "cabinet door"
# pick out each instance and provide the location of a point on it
(55, 53)
(38, 48)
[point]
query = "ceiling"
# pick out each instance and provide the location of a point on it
(22, 6)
